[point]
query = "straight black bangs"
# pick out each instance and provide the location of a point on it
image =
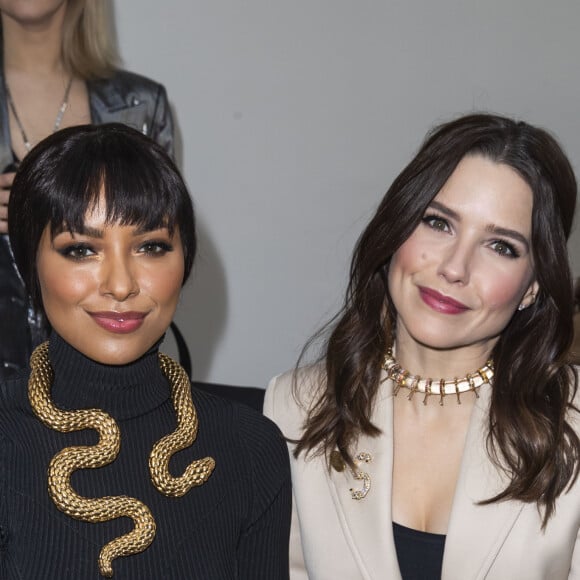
(137, 186)
(72, 171)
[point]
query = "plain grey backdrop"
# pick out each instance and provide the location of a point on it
(294, 118)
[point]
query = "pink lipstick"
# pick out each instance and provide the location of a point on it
(119, 322)
(440, 302)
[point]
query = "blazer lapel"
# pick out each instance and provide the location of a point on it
(367, 522)
(477, 532)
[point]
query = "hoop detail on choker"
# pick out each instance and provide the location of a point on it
(70, 459)
(439, 387)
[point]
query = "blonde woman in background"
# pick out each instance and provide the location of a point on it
(58, 68)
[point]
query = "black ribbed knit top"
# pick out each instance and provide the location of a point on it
(235, 525)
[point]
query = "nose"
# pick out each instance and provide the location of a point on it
(455, 265)
(118, 279)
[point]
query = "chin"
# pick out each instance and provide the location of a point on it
(114, 360)
(116, 354)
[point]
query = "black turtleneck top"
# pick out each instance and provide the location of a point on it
(235, 525)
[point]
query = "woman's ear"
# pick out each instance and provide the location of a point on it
(530, 296)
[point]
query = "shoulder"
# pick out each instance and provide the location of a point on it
(13, 391)
(290, 396)
(250, 443)
(130, 79)
(16, 416)
(127, 83)
(135, 100)
(136, 81)
(255, 436)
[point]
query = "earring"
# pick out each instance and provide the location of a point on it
(523, 306)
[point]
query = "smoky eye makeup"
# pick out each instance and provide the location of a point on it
(75, 251)
(156, 247)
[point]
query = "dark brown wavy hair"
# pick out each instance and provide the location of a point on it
(529, 435)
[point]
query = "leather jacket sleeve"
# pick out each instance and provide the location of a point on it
(15, 336)
(162, 125)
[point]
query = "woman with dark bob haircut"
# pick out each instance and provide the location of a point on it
(437, 437)
(187, 485)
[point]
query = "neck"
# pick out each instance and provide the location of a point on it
(33, 47)
(123, 391)
(425, 361)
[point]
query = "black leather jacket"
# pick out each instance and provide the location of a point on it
(124, 98)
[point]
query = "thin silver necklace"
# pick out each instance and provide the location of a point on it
(61, 111)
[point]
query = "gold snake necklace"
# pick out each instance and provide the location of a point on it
(69, 459)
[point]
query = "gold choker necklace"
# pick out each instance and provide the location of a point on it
(442, 387)
(69, 459)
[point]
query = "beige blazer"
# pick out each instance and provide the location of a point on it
(335, 537)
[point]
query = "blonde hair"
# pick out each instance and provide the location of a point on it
(88, 47)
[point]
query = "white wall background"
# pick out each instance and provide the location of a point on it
(293, 119)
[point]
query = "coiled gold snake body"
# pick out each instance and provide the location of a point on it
(69, 459)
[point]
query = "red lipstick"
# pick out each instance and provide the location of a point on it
(119, 322)
(440, 302)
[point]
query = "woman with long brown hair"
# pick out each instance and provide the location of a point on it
(438, 435)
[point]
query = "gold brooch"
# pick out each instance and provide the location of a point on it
(338, 464)
(362, 457)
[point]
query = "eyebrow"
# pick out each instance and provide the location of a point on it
(91, 232)
(445, 210)
(99, 234)
(491, 228)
